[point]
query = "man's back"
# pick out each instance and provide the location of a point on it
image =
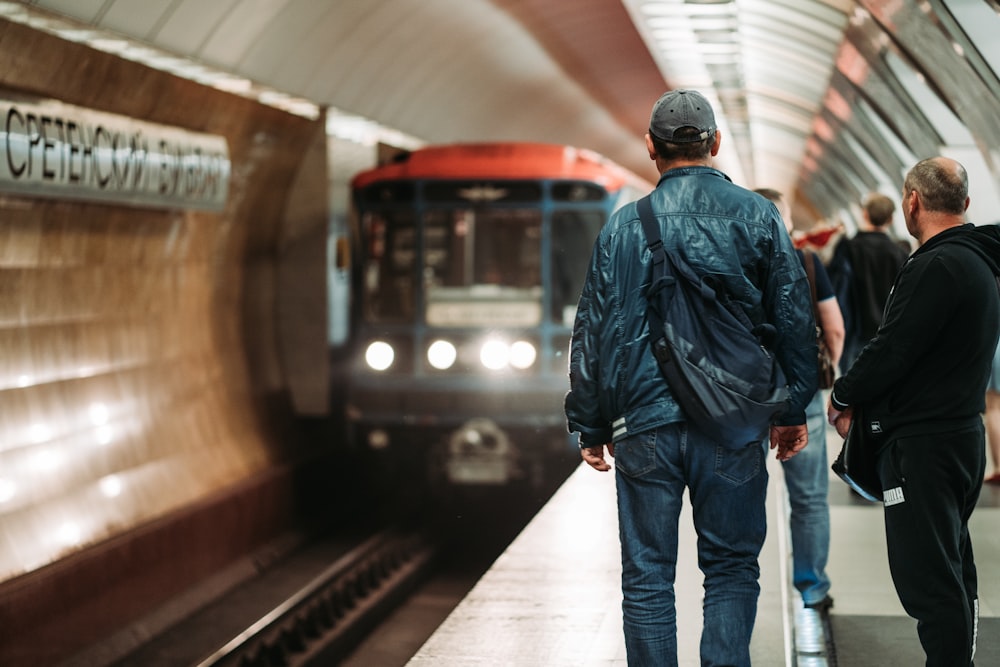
(875, 260)
(719, 229)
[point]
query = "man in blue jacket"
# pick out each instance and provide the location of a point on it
(921, 384)
(620, 401)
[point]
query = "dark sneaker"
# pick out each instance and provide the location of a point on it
(822, 606)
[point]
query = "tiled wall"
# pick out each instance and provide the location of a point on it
(142, 384)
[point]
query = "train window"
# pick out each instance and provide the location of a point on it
(573, 236)
(484, 192)
(578, 191)
(389, 266)
(474, 246)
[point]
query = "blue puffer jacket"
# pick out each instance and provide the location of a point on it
(616, 387)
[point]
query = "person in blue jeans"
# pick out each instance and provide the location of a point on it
(807, 476)
(621, 405)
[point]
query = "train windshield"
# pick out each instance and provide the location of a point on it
(479, 265)
(498, 247)
(482, 266)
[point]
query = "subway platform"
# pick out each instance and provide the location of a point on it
(553, 597)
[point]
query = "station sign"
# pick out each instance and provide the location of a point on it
(51, 149)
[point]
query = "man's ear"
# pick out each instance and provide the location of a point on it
(649, 147)
(716, 143)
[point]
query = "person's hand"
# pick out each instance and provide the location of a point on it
(594, 456)
(789, 440)
(840, 419)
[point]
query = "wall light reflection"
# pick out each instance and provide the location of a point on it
(98, 413)
(111, 486)
(7, 490)
(46, 461)
(39, 432)
(104, 435)
(69, 533)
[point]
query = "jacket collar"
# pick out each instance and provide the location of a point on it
(692, 171)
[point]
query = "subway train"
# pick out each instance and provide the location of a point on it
(471, 260)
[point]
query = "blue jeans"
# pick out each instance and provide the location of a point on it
(807, 477)
(727, 490)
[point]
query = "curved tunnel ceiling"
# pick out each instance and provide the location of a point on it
(809, 93)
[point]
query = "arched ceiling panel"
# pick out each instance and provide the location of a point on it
(288, 30)
(247, 23)
(789, 79)
(134, 17)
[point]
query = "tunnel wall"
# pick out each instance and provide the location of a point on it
(146, 429)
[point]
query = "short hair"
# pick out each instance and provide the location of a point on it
(879, 209)
(693, 150)
(941, 188)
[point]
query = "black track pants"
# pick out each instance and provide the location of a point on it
(931, 484)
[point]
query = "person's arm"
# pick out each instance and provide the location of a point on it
(832, 321)
(788, 304)
(828, 311)
(582, 403)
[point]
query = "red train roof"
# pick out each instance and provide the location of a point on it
(503, 160)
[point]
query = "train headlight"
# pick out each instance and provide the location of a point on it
(522, 354)
(495, 354)
(379, 355)
(441, 354)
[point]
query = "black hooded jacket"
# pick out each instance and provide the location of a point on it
(930, 360)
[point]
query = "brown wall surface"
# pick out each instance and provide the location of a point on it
(144, 405)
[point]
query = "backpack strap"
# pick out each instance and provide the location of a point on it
(649, 226)
(665, 271)
(652, 232)
(810, 267)
(659, 265)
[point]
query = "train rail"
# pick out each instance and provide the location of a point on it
(323, 621)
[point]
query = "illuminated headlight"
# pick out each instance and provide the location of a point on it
(522, 354)
(441, 354)
(497, 355)
(379, 355)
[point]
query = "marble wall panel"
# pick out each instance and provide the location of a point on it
(144, 402)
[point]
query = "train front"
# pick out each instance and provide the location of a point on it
(468, 289)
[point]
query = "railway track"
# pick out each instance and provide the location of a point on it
(349, 597)
(325, 619)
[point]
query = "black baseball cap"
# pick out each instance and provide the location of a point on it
(677, 109)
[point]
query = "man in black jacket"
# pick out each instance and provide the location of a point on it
(862, 270)
(921, 382)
